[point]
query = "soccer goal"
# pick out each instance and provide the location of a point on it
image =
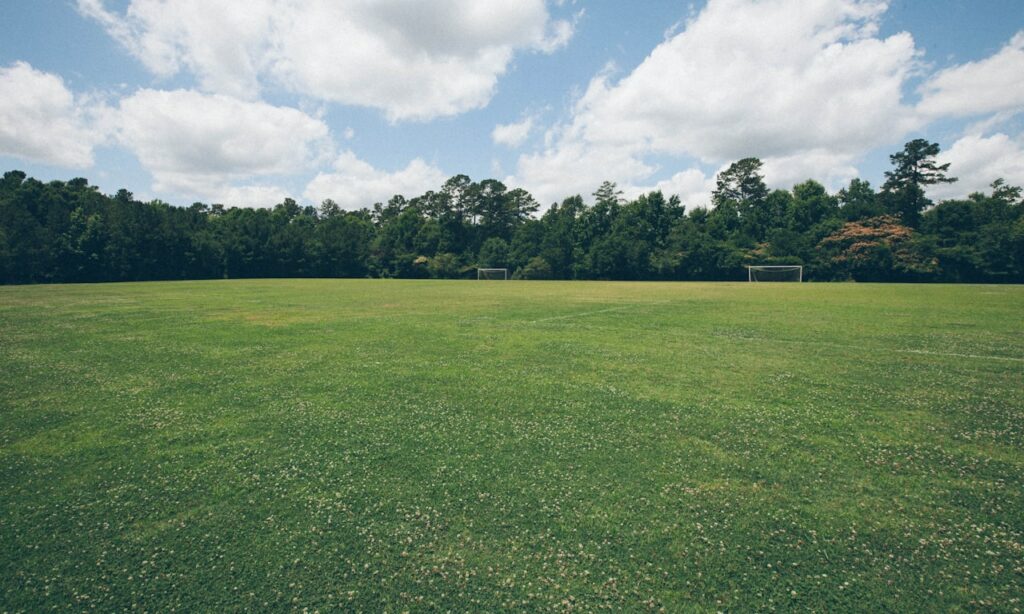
(783, 272)
(501, 274)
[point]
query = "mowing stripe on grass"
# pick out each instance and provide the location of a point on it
(952, 355)
(582, 314)
(845, 346)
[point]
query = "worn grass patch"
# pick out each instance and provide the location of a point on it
(427, 445)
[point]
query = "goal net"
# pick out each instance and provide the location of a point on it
(785, 272)
(501, 274)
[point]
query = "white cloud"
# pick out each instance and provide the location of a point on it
(353, 183)
(574, 166)
(249, 196)
(805, 85)
(761, 78)
(199, 145)
(832, 169)
(414, 60)
(40, 119)
(514, 134)
(977, 161)
(692, 186)
(992, 85)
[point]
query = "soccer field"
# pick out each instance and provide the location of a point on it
(377, 445)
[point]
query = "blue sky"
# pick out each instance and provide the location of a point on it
(246, 102)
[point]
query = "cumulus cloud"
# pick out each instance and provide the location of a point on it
(977, 161)
(743, 78)
(692, 186)
(514, 134)
(833, 169)
(41, 120)
(200, 144)
(353, 183)
(761, 78)
(248, 195)
(575, 166)
(413, 60)
(992, 85)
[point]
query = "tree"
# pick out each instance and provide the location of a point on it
(521, 205)
(739, 198)
(493, 253)
(1017, 247)
(811, 205)
(444, 266)
(858, 201)
(382, 214)
(394, 245)
(595, 222)
(526, 242)
(914, 169)
(287, 210)
(12, 181)
(68, 231)
(877, 249)
(741, 182)
(329, 209)
(560, 247)
(343, 243)
(608, 195)
(490, 211)
(5, 256)
(536, 268)
(82, 248)
(974, 237)
(459, 192)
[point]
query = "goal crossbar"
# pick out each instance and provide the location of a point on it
(773, 270)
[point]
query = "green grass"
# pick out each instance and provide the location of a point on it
(403, 445)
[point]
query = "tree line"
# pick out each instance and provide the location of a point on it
(67, 231)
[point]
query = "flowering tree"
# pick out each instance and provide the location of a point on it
(876, 249)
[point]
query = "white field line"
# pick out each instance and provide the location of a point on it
(845, 346)
(849, 346)
(584, 313)
(952, 355)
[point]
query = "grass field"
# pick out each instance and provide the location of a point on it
(419, 445)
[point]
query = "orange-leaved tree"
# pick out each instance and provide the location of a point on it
(876, 249)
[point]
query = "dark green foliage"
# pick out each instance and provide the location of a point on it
(536, 268)
(494, 253)
(858, 201)
(443, 266)
(978, 238)
(811, 206)
(914, 170)
(69, 232)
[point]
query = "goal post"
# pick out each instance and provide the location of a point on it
(499, 274)
(775, 272)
